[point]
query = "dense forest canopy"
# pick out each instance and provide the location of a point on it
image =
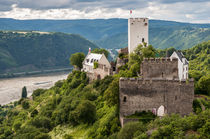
(27, 51)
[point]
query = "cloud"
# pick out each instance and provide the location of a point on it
(177, 10)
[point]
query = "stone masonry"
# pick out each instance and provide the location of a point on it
(158, 90)
(160, 68)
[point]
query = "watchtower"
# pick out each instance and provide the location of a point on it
(137, 32)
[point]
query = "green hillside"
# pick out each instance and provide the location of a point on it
(163, 37)
(112, 33)
(26, 51)
(75, 108)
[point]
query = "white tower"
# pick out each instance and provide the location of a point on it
(137, 32)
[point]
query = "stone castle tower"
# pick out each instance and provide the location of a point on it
(137, 32)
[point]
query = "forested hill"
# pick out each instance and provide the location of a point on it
(75, 108)
(112, 33)
(26, 51)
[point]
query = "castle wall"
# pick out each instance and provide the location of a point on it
(160, 68)
(139, 94)
(137, 32)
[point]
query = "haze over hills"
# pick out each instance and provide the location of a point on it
(27, 51)
(112, 33)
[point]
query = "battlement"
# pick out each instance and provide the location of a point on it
(150, 80)
(138, 19)
(160, 60)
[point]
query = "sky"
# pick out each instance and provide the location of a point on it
(193, 11)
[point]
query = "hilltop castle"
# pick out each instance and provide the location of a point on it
(158, 90)
(163, 86)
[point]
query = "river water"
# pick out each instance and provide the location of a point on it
(10, 89)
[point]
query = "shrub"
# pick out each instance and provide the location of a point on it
(37, 92)
(25, 104)
(16, 125)
(112, 93)
(127, 132)
(85, 112)
(34, 113)
(197, 106)
(42, 122)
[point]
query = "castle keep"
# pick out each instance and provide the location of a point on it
(159, 90)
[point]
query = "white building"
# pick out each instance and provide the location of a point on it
(183, 65)
(137, 32)
(103, 69)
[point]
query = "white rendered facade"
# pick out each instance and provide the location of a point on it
(183, 65)
(88, 63)
(138, 32)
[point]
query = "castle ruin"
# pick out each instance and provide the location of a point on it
(158, 90)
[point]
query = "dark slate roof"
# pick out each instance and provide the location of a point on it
(180, 55)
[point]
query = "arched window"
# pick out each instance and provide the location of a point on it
(124, 99)
(142, 39)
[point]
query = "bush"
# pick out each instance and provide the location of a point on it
(42, 122)
(204, 85)
(112, 93)
(37, 92)
(34, 113)
(16, 125)
(197, 106)
(85, 112)
(127, 132)
(25, 104)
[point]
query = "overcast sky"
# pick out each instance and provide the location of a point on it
(194, 11)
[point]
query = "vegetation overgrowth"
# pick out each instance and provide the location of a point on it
(75, 108)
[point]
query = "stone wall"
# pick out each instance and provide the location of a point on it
(160, 68)
(139, 94)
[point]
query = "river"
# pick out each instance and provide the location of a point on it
(10, 89)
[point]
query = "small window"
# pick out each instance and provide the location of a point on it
(87, 60)
(175, 97)
(144, 20)
(162, 74)
(124, 99)
(142, 39)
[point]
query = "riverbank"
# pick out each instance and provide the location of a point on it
(40, 72)
(10, 88)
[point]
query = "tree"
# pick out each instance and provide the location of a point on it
(204, 85)
(137, 56)
(77, 59)
(24, 92)
(101, 51)
(85, 112)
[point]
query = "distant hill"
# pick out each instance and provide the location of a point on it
(26, 51)
(112, 33)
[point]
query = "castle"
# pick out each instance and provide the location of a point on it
(158, 90)
(162, 87)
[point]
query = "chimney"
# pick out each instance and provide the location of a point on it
(89, 50)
